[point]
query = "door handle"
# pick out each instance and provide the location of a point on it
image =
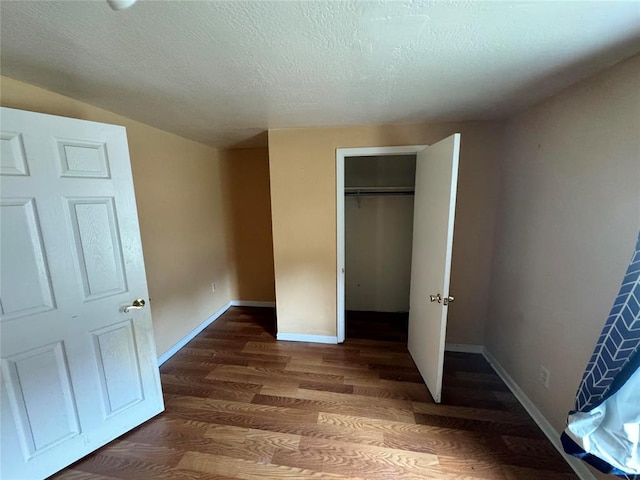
(137, 304)
(438, 298)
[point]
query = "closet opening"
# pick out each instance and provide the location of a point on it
(375, 211)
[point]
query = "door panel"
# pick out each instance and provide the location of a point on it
(434, 212)
(13, 160)
(77, 371)
(118, 366)
(26, 285)
(83, 159)
(97, 246)
(38, 429)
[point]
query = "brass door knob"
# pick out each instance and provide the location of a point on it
(448, 300)
(137, 304)
(436, 298)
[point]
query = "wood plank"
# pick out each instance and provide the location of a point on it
(471, 413)
(373, 411)
(475, 425)
(369, 461)
(238, 468)
(522, 473)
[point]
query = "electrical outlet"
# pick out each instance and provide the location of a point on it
(544, 376)
(213, 287)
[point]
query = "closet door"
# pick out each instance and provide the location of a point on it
(434, 212)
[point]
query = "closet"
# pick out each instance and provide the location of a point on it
(376, 261)
(379, 195)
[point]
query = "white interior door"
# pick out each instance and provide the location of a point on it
(434, 212)
(77, 369)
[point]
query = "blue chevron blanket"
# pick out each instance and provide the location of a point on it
(604, 427)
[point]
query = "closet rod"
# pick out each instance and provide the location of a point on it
(365, 193)
(368, 191)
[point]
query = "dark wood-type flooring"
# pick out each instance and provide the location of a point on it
(241, 405)
(377, 326)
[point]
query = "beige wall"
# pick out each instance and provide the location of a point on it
(568, 219)
(248, 206)
(303, 200)
(179, 198)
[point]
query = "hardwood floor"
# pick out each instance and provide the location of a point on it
(241, 405)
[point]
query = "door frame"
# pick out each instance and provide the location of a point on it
(341, 154)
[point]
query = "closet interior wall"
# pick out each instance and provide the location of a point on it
(378, 232)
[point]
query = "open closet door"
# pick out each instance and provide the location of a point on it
(433, 218)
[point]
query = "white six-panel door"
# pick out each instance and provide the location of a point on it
(77, 371)
(433, 221)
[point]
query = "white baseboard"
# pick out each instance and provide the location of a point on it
(252, 303)
(189, 336)
(299, 337)
(578, 466)
(464, 348)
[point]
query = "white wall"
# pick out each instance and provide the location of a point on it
(567, 222)
(378, 235)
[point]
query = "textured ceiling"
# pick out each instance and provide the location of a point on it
(223, 72)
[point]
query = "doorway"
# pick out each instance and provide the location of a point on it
(379, 194)
(369, 184)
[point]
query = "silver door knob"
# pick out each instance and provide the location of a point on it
(137, 304)
(448, 300)
(435, 298)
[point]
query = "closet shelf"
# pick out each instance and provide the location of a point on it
(368, 191)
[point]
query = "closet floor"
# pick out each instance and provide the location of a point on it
(377, 325)
(241, 405)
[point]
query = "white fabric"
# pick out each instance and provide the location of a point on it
(611, 431)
